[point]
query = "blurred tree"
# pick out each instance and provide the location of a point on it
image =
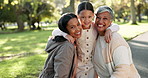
(146, 13)
(133, 12)
(60, 4)
(7, 11)
(70, 8)
(84, 0)
(31, 11)
(37, 10)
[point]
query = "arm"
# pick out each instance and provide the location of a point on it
(58, 32)
(121, 59)
(63, 61)
(113, 28)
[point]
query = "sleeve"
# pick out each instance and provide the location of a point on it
(63, 62)
(58, 32)
(114, 27)
(121, 59)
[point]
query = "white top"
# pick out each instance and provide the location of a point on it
(121, 56)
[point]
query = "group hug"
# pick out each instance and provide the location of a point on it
(87, 45)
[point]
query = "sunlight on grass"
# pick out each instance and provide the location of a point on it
(7, 48)
(130, 31)
(24, 41)
(16, 68)
(24, 67)
(3, 41)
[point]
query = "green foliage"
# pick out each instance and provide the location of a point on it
(7, 13)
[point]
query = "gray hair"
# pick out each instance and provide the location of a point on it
(104, 9)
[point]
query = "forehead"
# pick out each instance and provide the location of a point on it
(72, 21)
(85, 13)
(106, 14)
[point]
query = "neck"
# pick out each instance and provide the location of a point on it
(101, 33)
(84, 27)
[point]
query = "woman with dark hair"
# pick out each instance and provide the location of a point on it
(62, 58)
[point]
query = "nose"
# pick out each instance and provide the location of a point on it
(101, 20)
(86, 20)
(77, 28)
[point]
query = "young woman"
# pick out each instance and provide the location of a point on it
(62, 58)
(114, 59)
(86, 43)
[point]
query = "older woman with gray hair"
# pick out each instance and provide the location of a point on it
(114, 59)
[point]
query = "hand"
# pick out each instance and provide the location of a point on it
(70, 38)
(108, 35)
(51, 37)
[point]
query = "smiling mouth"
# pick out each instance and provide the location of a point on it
(78, 33)
(98, 25)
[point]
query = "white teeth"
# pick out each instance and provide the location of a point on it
(100, 25)
(78, 33)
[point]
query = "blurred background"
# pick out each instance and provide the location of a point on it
(26, 25)
(36, 13)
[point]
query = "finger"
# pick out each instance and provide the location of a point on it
(110, 35)
(106, 39)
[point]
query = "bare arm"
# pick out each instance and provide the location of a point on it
(58, 32)
(109, 30)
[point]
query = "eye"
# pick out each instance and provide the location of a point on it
(98, 18)
(105, 18)
(89, 16)
(82, 17)
(71, 27)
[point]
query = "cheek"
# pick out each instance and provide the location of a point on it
(81, 20)
(72, 32)
(107, 22)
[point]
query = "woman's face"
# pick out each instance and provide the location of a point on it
(86, 18)
(74, 28)
(103, 21)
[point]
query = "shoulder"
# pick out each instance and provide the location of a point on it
(67, 46)
(66, 49)
(117, 37)
(118, 40)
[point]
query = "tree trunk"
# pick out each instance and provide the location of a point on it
(20, 23)
(133, 12)
(139, 12)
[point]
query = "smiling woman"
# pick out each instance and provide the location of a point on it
(114, 59)
(62, 53)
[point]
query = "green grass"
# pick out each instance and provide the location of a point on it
(23, 42)
(23, 67)
(130, 31)
(27, 50)
(25, 54)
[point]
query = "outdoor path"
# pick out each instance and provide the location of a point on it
(139, 47)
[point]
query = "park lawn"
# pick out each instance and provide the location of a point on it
(29, 47)
(23, 67)
(25, 54)
(130, 31)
